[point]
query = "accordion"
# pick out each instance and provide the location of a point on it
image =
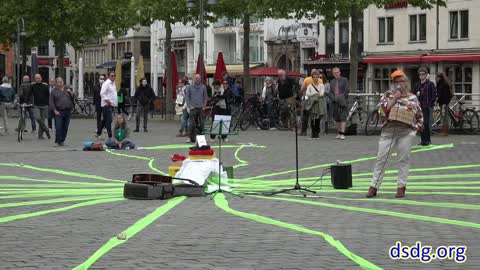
(402, 114)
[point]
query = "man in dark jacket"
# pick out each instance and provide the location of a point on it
(26, 96)
(97, 100)
(62, 105)
(41, 98)
(427, 94)
(7, 96)
(144, 97)
(339, 95)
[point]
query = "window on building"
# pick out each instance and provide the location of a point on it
(360, 36)
(145, 49)
(128, 46)
(330, 39)
(43, 48)
(461, 77)
(3, 65)
(418, 27)
(385, 30)
(381, 79)
(344, 38)
(120, 50)
(113, 52)
(57, 50)
(459, 24)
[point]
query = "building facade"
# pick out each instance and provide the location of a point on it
(101, 56)
(442, 40)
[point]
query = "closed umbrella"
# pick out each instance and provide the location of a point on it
(118, 73)
(220, 68)
(140, 70)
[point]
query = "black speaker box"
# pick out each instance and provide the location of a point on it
(341, 176)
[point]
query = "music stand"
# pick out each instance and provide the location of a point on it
(220, 127)
(297, 186)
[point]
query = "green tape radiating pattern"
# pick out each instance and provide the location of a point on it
(130, 232)
(222, 203)
(61, 209)
(382, 212)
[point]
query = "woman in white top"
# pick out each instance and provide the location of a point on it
(315, 103)
(181, 109)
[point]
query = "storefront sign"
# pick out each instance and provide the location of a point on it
(66, 62)
(401, 4)
(328, 58)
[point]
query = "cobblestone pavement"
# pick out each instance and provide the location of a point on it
(59, 206)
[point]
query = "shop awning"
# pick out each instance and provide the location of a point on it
(423, 58)
(391, 59)
(231, 69)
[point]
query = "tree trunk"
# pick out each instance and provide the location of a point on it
(246, 54)
(168, 48)
(61, 63)
(355, 13)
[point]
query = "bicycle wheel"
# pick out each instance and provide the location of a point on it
(285, 120)
(244, 121)
(88, 109)
(437, 121)
(373, 124)
(472, 121)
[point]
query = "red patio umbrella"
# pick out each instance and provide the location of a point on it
(204, 70)
(273, 71)
(220, 68)
(174, 79)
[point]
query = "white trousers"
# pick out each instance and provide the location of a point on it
(400, 140)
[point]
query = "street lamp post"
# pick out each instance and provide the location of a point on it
(20, 32)
(190, 5)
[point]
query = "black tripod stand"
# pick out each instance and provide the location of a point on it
(219, 128)
(297, 186)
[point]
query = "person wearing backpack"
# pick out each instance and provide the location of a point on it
(7, 96)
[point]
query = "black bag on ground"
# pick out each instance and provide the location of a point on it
(148, 191)
(188, 190)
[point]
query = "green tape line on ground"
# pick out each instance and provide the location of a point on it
(242, 162)
(62, 172)
(61, 209)
(269, 189)
(222, 203)
(397, 201)
(150, 165)
(54, 194)
(67, 190)
(436, 147)
(130, 232)
(59, 200)
(381, 212)
(455, 167)
(125, 155)
(66, 182)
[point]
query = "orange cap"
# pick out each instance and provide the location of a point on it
(397, 73)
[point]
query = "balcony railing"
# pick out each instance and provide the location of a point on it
(225, 22)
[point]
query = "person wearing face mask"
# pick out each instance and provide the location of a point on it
(404, 118)
(97, 100)
(144, 96)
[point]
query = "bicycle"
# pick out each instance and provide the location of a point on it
(85, 106)
(375, 120)
(355, 109)
(466, 120)
(21, 121)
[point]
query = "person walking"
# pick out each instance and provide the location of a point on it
(61, 102)
(41, 100)
(7, 96)
(121, 138)
(196, 98)
(339, 94)
(26, 96)
(121, 95)
(181, 109)
(445, 95)
(269, 94)
(108, 94)
(315, 103)
(144, 97)
(97, 100)
(51, 115)
(426, 93)
(396, 134)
